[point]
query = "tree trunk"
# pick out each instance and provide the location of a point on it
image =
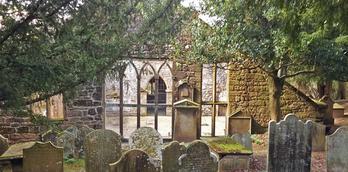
(341, 92)
(275, 91)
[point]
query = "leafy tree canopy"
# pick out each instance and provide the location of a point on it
(50, 46)
(284, 38)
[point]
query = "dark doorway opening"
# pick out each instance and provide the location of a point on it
(162, 96)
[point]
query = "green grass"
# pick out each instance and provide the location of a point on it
(226, 145)
(74, 165)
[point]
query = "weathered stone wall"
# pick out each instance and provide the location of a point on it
(86, 108)
(18, 129)
(248, 92)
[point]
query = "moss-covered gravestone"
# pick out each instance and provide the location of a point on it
(67, 141)
(290, 145)
(50, 136)
(148, 140)
(198, 159)
(83, 131)
(43, 157)
(134, 161)
(3, 144)
(170, 156)
(337, 150)
(243, 139)
(102, 147)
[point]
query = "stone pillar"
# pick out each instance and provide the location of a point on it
(143, 100)
(169, 96)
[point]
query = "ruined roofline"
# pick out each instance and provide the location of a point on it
(304, 96)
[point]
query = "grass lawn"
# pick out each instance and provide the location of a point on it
(74, 165)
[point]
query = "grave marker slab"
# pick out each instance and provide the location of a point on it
(337, 150)
(290, 144)
(148, 140)
(43, 157)
(198, 159)
(170, 156)
(83, 131)
(243, 139)
(3, 144)
(102, 147)
(67, 141)
(50, 136)
(318, 137)
(134, 161)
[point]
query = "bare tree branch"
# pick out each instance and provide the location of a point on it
(298, 73)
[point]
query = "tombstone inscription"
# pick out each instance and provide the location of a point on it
(43, 157)
(290, 144)
(102, 147)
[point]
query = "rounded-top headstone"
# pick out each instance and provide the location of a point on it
(337, 147)
(134, 161)
(43, 157)
(102, 147)
(147, 139)
(198, 159)
(170, 156)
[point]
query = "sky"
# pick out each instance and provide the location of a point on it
(196, 4)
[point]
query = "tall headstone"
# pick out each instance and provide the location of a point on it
(148, 140)
(243, 139)
(134, 161)
(198, 159)
(67, 141)
(3, 144)
(43, 157)
(102, 147)
(290, 145)
(170, 156)
(337, 150)
(318, 137)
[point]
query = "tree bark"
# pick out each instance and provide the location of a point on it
(341, 92)
(275, 91)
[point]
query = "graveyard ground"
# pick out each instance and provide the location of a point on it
(258, 162)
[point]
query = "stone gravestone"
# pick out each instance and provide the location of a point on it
(72, 130)
(198, 159)
(337, 150)
(3, 144)
(134, 161)
(49, 136)
(170, 156)
(83, 131)
(318, 137)
(67, 141)
(43, 157)
(243, 139)
(148, 140)
(290, 145)
(102, 147)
